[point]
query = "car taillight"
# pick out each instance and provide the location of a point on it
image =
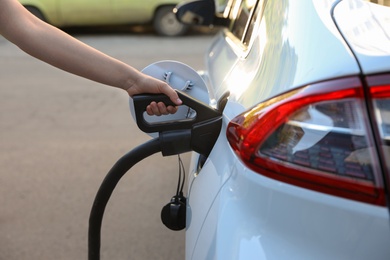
(317, 137)
(380, 96)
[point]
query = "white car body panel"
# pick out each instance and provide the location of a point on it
(307, 59)
(367, 30)
(235, 213)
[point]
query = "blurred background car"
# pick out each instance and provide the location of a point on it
(71, 13)
(301, 168)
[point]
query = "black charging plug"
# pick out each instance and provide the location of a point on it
(198, 133)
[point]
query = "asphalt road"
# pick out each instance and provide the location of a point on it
(59, 136)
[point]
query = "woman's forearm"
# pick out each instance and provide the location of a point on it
(59, 49)
(55, 47)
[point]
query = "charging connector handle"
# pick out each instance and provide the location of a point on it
(203, 112)
(198, 133)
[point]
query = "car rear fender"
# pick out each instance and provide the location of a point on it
(287, 51)
(365, 27)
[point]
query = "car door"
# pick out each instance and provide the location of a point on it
(132, 11)
(85, 12)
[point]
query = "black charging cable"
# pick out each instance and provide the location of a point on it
(182, 172)
(107, 187)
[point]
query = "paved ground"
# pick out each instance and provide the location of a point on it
(60, 134)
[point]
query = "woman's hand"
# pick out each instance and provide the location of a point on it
(147, 84)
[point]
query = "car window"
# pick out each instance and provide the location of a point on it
(244, 15)
(241, 15)
(252, 22)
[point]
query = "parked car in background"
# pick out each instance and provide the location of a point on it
(66, 13)
(301, 169)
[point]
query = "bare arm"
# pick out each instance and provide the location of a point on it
(59, 49)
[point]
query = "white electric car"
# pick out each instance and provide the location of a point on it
(301, 167)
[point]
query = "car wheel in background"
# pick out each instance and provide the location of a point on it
(35, 11)
(166, 24)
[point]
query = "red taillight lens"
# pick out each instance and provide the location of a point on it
(380, 96)
(317, 137)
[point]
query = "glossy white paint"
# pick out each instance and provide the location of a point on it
(281, 221)
(366, 27)
(235, 213)
(295, 44)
